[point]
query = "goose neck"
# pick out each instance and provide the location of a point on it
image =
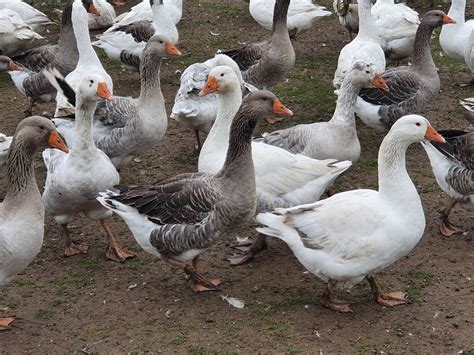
(346, 101)
(87, 55)
(367, 28)
(457, 11)
(150, 85)
(422, 58)
(280, 14)
(84, 144)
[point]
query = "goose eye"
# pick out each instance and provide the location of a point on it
(161, 42)
(222, 74)
(367, 72)
(41, 127)
(264, 99)
(418, 124)
(92, 81)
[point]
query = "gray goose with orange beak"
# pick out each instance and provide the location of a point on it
(411, 88)
(75, 179)
(336, 138)
(185, 215)
(127, 126)
(22, 211)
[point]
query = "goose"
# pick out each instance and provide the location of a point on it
(126, 43)
(453, 167)
(283, 179)
(5, 143)
(336, 138)
(88, 63)
(74, 180)
(15, 36)
(180, 218)
(468, 104)
(265, 64)
(302, 15)
(126, 126)
(22, 211)
(105, 18)
(347, 12)
(142, 11)
(352, 235)
(453, 39)
(366, 46)
(411, 88)
(469, 55)
(199, 112)
(34, 18)
(397, 25)
(63, 56)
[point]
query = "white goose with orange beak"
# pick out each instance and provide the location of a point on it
(352, 235)
(75, 179)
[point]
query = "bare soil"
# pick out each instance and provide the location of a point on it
(88, 304)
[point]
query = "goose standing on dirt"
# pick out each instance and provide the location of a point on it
(302, 15)
(74, 180)
(347, 12)
(34, 18)
(126, 126)
(283, 179)
(336, 138)
(352, 235)
(199, 112)
(15, 36)
(411, 88)
(453, 39)
(22, 211)
(185, 215)
(397, 25)
(142, 11)
(365, 47)
(125, 43)
(88, 63)
(453, 167)
(265, 64)
(63, 56)
(105, 17)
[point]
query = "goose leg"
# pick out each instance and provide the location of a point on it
(199, 283)
(327, 300)
(387, 299)
(29, 109)
(115, 251)
(446, 228)
(71, 248)
(198, 146)
(5, 322)
(249, 251)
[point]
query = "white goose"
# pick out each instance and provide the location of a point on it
(22, 212)
(283, 179)
(15, 35)
(453, 39)
(125, 43)
(469, 54)
(365, 47)
(352, 235)
(89, 62)
(142, 11)
(199, 112)
(302, 14)
(75, 179)
(34, 18)
(105, 16)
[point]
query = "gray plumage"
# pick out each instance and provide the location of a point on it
(411, 88)
(266, 64)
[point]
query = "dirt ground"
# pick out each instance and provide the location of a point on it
(86, 304)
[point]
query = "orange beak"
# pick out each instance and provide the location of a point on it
(279, 109)
(93, 10)
(378, 82)
(15, 67)
(210, 87)
(172, 50)
(55, 141)
(432, 135)
(103, 91)
(447, 19)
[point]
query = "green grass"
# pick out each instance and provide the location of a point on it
(44, 314)
(24, 282)
(418, 280)
(78, 280)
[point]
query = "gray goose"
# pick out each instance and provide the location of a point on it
(411, 88)
(265, 64)
(126, 126)
(63, 56)
(180, 218)
(453, 166)
(22, 211)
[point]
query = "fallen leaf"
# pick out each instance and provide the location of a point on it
(235, 302)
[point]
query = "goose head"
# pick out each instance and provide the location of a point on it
(38, 132)
(415, 128)
(265, 105)
(436, 18)
(365, 75)
(93, 89)
(162, 47)
(89, 6)
(6, 64)
(222, 79)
